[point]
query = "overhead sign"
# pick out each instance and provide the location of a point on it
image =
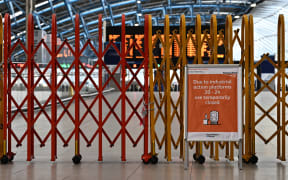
(213, 103)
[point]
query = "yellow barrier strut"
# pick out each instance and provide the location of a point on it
(281, 62)
(167, 89)
(181, 84)
(252, 87)
(228, 43)
(245, 41)
(214, 60)
(152, 120)
(198, 60)
(2, 146)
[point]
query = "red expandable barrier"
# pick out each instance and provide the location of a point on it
(54, 114)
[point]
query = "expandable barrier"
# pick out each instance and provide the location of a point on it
(77, 111)
(278, 92)
(165, 107)
(169, 109)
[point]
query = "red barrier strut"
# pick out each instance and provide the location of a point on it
(123, 95)
(100, 126)
(77, 158)
(146, 157)
(54, 89)
(9, 86)
(7, 45)
(30, 110)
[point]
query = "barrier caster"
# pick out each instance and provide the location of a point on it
(146, 161)
(76, 159)
(154, 159)
(201, 159)
(253, 159)
(4, 159)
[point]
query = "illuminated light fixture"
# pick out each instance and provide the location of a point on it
(139, 14)
(138, 2)
(134, 65)
(236, 17)
(136, 24)
(253, 5)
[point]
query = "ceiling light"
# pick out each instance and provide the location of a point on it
(139, 14)
(253, 5)
(236, 17)
(138, 2)
(136, 24)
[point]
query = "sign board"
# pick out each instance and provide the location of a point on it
(213, 102)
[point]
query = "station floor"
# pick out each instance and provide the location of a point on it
(112, 168)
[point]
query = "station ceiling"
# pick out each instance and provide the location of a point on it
(265, 14)
(112, 10)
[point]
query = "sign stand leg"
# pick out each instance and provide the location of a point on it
(186, 160)
(240, 155)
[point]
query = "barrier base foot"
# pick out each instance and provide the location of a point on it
(77, 159)
(4, 159)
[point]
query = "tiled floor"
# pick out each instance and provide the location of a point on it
(136, 170)
(112, 167)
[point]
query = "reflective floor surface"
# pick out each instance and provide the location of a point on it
(42, 168)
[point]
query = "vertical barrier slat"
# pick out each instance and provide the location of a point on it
(123, 106)
(77, 78)
(214, 60)
(281, 62)
(146, 156)
(252, 88)
(229, 39)
(9, 86)
(167, 89)
(5, 109)
(198, 58)
(245, 40)
(151, 77)
(213, 36)
(30, 47)
(278, 138)
(1, 89)
(229, 60)
(100, 126)
(183, 63)
(53, 88)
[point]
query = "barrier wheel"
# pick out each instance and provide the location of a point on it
(253, 159)
(145, 161)
(154, 159)
(4, 159)
(195, 157)
(76, 159)
(201, 159)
